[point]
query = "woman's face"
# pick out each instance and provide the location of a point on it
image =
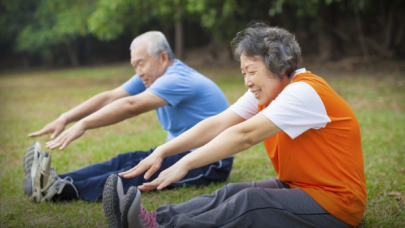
(261, 82)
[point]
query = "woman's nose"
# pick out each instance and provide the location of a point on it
(248, 83)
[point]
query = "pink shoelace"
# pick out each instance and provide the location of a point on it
(148, 218)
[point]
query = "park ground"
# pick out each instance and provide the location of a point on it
(31, 99)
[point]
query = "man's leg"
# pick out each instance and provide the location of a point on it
(241, 205)
(91, 189)
(89, 181)
(117, 163)
(215, 172)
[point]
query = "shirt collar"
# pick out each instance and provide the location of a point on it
(299, 71)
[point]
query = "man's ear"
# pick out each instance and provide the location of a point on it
(164, 57)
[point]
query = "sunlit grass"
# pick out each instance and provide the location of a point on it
(29, 100)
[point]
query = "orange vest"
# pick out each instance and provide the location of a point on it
(326, 163)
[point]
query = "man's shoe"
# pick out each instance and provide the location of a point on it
(30, 160)
(54, 192)
(113, 200)
(43, 178)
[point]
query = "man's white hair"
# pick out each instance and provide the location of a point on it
(156, 43)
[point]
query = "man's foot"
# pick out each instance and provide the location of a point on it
(30, 160)
(113, 200)
(61, 189)
(42, 177)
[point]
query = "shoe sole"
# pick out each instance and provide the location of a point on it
(111, 202)
(30, 164)
(33, 149)
(132, 208)
(129, 198)
(31, 155)
(44, 161)
(27, 185)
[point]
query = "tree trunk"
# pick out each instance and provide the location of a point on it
(88, 50)
(26, 60)
(362, 40)
(72, 53)
(213, 47)
(328, 44)
(179, 40)
(166, 32)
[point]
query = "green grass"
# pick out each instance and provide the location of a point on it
(29, 100)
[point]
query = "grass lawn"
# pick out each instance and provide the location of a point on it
(29, 100)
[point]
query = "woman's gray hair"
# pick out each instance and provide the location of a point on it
(156, 43)
(276, 47)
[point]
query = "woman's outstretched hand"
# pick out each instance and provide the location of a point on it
(172, 174)
(150, 164)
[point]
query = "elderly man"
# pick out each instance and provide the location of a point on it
(181, 96)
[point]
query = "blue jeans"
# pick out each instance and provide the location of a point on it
(90, 180)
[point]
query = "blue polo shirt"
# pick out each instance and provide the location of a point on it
(192, 97)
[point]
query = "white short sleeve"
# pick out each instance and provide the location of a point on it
(246, 106)
(296, 109)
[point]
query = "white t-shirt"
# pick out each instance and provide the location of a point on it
(296, 109)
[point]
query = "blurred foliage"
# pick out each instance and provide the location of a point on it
(54, 23)
(48, 27)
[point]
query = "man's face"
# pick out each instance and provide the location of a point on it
(147, 67)
(260, 81)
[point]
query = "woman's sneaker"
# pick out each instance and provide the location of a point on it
(30, 162)
(113, 200)
(134, 214)
(128, 207)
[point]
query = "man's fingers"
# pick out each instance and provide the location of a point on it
(55, 143)
(38, 133)
(64, 145)
(55, 133)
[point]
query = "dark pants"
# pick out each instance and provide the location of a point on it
(90, 180)
(270, 203)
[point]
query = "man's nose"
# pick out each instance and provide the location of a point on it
(140, 72)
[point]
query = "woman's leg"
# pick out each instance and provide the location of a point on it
(207, 202)
(251, 207)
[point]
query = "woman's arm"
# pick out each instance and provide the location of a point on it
(233, 140)
(195, 137)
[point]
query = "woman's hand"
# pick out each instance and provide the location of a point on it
(172, 174)
(151, 164)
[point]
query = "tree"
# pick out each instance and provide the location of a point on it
(55, 23)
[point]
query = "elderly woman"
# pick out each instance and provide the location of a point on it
(310, 134)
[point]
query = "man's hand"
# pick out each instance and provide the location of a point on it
(66, 137)
(151, 164)
(55, 127)
(172, 174)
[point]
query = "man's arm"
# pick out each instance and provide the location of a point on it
(195, 137)
(84, 109)
(233, 140)
(110, 114)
